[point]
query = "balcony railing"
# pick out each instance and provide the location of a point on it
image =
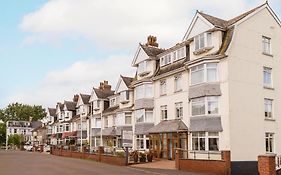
(200, 155)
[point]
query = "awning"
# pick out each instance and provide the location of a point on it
(142, 128)
(166, 126)
(69, 134)
(209, 124)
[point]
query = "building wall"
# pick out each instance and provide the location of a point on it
(246, 92)
(171, 98)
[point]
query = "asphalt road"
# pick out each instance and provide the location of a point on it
(28, 163)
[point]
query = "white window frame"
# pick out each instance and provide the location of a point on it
(204, 136)
(145, 114)
(266, 45)
(204, 67)
(164, 112)
(206, 101)
(178, 83)
(163, 87)
(179, 110)
(269, 137)
(124, 96)
(207, 40)
(268, 104)
(166, 59)
(267, 70)
(142, 91)
(142, 67)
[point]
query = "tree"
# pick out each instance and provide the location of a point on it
(18, 111)
(2, 134)
(15, 140)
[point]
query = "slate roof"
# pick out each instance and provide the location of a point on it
(127, 80)
(35, 124)
(85, 98)
(217, 22)
(110, 110)
(143, 128)
(70, 105)
(52, 111)
(168, 126)
(102, 94)
(151, 50)
(210, 124)
(171, 67)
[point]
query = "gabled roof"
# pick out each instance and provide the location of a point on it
(70, 105)
(127, 80)
(151, 50)
(85, 98)
(103, 94)
(52, 111)
(224, 24)
(169, 126)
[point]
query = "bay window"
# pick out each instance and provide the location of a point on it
(67, 127)
(96, 104)
(203, 40)
(205, 141)
(105, 119)
(204, 106)
(97, 122)
(144, 116)
(204, 73)
(144, 91)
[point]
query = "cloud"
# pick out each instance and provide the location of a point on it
(80, 77)
(115, 24)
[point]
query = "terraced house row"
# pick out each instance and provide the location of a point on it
(218, 89)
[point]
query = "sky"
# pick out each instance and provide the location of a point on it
(53, 49)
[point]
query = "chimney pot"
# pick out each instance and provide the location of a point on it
(152, 41)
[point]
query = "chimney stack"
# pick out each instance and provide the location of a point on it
(75, 98)
(151, 41)
(105, 86)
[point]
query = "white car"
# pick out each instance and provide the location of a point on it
(28, 147)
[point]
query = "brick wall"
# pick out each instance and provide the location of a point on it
(216, 167)
(100, 157)
(266, 165)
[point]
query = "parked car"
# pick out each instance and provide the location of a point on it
(28, 147)
(47, 148)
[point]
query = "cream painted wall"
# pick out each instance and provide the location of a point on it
(246, 92)
(216, 43)
(150, 67)
(171, 98)
(200, 25)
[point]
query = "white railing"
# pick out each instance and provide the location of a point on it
(201, 155)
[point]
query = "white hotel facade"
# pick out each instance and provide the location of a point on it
(218, 89)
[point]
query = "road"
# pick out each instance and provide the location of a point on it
(28, 163)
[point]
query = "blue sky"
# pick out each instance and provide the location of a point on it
(50, 50)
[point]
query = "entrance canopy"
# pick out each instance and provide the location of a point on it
(166, 126)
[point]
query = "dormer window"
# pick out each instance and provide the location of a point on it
(179, 54)
(124, 96)
(113, 102)
(203, 40)
(165, 59)
(96, 104)
(142, 67)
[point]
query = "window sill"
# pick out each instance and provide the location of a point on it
(267, 54)
(270, 119)
(178, 91)
(268, 87)
(162, 95)
(202, 50)
(143, 73)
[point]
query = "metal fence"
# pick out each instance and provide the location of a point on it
(200, 155)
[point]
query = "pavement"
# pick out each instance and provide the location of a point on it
(30, 163)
